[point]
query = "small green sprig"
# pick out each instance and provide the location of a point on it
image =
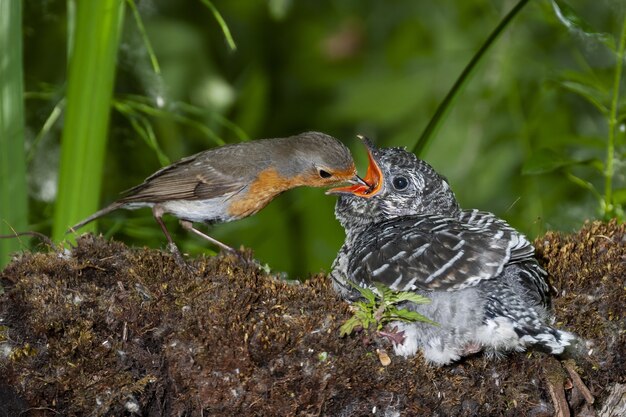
(379, 310)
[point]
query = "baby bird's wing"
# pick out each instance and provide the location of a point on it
(213, 173)
(435, 252)
(521, 248)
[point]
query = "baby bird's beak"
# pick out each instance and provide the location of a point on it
(373, 180)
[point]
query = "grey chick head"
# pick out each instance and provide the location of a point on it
(399, 184)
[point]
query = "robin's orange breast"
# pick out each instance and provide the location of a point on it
(268, 184)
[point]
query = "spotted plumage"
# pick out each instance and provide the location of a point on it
(407, 231)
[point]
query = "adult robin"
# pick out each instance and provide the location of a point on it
(406, 230)
(235, 181)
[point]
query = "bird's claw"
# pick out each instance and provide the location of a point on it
(178, 256)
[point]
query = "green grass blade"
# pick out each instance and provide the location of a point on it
(144, 129)
(445, 105)
(89, 90)
(146, 40)
(52, 119)
(133, 106)
(222, 23)
(13, 191)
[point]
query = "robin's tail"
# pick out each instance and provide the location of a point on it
(97, 214)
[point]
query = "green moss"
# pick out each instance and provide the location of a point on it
(110, 329)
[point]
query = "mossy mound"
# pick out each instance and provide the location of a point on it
(109, 330)
(588, 273)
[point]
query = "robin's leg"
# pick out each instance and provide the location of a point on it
(157, 212)
(187, 225)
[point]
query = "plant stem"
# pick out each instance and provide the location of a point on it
(89, 90)
(13, 189)
(441, 111)
(608, 207)
(144, 35)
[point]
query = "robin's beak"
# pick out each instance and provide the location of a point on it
(356, 180)
(373, 180)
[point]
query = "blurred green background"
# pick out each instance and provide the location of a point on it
(527, 137)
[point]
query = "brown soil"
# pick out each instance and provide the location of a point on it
(109, 330)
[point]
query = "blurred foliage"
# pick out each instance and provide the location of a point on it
(527, 138)
(13, 193)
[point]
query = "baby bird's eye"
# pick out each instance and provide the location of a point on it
(325, 174)
(400, 183)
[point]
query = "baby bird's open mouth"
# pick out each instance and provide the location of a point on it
(373, 177)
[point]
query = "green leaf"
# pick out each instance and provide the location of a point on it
(619, 196)
(411, 296)
(349, 326)
(368, 294)
(410, 316)
(574, 23)
(386, 294)
(590, 93)
(383, 310)
(584, 184)
(546, 160)
(361, 305)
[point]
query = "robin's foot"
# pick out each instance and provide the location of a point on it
(225, 249)
(178, 256)
(245, 258)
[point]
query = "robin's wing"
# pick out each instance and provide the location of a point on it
(436, 253)
(206, 175)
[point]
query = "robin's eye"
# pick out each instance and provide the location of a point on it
(400, 183)
(325, 174)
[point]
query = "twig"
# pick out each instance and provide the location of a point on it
(554, 378)
(578, 383)
(41, 237)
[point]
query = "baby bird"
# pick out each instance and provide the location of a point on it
(405, 229)
(235, 181)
